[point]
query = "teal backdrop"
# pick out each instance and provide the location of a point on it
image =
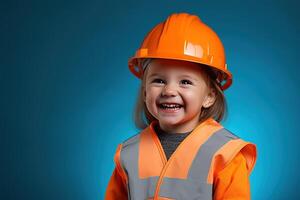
(67, 95)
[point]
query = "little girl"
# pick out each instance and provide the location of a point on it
(182, 152)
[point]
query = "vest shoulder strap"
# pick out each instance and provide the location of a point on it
(229, 150)
(119, 168)
(125, 149)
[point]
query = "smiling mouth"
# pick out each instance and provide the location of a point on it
(170, 106)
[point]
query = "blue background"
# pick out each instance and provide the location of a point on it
(67, 96)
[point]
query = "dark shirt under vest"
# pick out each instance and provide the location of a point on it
(170, 141)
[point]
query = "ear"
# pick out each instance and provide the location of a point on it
(209, 99)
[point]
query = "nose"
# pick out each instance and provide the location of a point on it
(169, 90)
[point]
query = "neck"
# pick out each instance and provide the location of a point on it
(178, 128)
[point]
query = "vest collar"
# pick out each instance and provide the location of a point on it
(152, 159)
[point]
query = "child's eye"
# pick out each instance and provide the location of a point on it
(157, 80)
(186, 82)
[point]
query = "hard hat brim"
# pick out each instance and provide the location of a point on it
(135, 67)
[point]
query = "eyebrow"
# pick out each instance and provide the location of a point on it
(154, 74)
(181, 76)
(190, 77)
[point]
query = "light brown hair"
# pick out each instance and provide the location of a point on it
(217, 111)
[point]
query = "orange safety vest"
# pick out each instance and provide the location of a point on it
(190, 171)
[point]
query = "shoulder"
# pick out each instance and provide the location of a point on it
(130, 144)
(127, 144)
(238, 162)
(236, 149)
(224, 133)
(233, 180)
(125, 150)
(133, 140)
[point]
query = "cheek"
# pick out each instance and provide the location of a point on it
(151, 96)
(194, 98)
(192, 95)
(152, 92)
(150, 102)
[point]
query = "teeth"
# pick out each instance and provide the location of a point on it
(170, 106)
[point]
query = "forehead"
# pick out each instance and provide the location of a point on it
(162, 66)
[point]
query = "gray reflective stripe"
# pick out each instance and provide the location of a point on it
(138, 189)
(194, 187)
(202, 161)
(185, 189)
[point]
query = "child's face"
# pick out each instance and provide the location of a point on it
(175, 92)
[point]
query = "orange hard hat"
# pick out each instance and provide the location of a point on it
(183, 37)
